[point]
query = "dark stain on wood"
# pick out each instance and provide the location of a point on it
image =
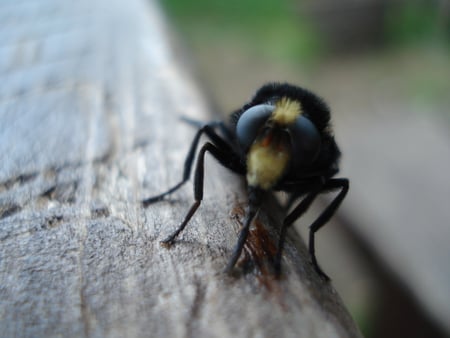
(259, 251)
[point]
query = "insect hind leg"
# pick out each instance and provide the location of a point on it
(298, 211)
(337, 183)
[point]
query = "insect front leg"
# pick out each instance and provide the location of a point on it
(210, 132)
(226, 159)
(186, 172)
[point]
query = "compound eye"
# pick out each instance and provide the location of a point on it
(250, 123)
(306, 142)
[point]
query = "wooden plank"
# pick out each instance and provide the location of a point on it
(89, 101)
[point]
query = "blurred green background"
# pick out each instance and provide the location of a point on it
(242, 44)
(353, 53)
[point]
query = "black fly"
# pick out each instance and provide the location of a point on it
(280, 141)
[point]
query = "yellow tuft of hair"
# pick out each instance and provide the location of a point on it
(265, 165)
(286, 111)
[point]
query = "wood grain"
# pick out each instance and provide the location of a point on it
(90, 96)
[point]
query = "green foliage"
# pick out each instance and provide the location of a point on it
(414, 22)
(271, 28)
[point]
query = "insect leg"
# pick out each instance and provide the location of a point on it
(209, 131)
(337, 183)
(223, 158)
(215, 124)
(298, 211)
(254, 202)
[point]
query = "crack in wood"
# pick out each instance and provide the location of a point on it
(100, 212)
(53, 171)
(197, 305)
(84, 307)
(63, 193)
(47, 222)
(18, 180)
(7, 210)
(53, 221)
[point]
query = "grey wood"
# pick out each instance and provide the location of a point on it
(90, 95)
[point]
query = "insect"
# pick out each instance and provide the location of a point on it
(280, 141)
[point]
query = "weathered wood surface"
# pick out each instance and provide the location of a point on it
(90, 96)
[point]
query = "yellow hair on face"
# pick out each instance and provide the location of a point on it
(286, 111)
(265, 165)
(268, 159)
